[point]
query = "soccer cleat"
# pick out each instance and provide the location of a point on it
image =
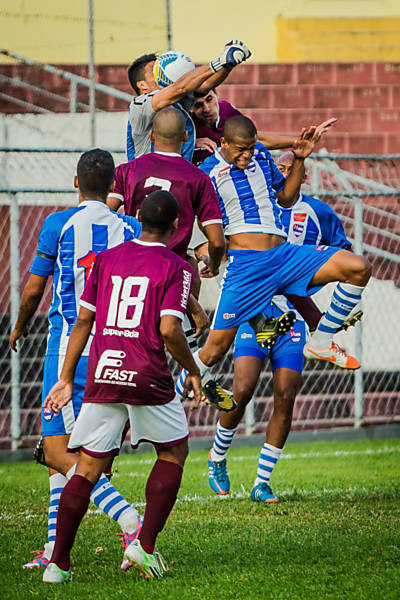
(54, 574)
(218, 476)
(38, 453)
(217, 396)
(151, 565)
(39, 561)
(263, 493)
(128, 538)
(334, 354)
(273, 328)
(351, 320)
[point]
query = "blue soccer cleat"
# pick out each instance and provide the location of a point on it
(218, 476)
(263, 493)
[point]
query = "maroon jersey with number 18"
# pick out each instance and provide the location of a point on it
(191, 187)
(130, 288)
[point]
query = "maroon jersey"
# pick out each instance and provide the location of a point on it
(130, 288)
(191, 187)
(226, 110)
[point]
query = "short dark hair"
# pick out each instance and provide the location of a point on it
(95, 172)
(136, 69)
(239, 126)
(159, 209)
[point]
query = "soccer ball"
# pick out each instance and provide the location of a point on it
(170, 66)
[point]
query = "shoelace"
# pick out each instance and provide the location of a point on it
(220, 470)
(338, 349)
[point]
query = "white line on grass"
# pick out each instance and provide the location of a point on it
(336, 454)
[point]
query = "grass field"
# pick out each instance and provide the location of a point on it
(336, 533)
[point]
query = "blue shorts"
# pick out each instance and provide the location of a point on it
(287, 352)
(65, 420)
(253, 277)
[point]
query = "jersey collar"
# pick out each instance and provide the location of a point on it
(167, 153)
(142, 243)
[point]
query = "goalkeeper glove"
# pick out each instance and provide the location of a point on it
(235, 53)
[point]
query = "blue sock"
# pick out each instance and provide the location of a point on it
(269, 456)
(345, 297)
(222, 442)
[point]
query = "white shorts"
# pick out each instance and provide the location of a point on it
(99, 427)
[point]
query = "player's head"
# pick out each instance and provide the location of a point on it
(169, 130)
(95, 174)
(238, 141)
(284, 162)
(206, 108)
(140, 74)
(159, 213)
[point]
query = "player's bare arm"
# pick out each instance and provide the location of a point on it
(175, 341)
(206, 144)
(200, 318)
(216, 247)
(31, 297)
(234, 53)
(61, 393)
(302, 147)
(114, 203)
(273, 142)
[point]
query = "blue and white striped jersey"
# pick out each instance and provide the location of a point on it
(70, 240)
(313, 222)
(247, 197)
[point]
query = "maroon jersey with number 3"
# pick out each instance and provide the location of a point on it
(191, 187)
(130, 288)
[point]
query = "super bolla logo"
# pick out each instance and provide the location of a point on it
(108, 369)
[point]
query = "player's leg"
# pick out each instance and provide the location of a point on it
(166, 427)
(247, 370)
(74, 502)
(286, 386)
(97, 433)
(353, 273)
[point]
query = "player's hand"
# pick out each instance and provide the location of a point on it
(15, 335)
(59, 395)
(207, 272)
(206, 144)
(193, 382)
(201, 321)
(235, 52)
(304, 144)
(323, 128)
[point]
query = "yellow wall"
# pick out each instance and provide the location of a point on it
(56, 31)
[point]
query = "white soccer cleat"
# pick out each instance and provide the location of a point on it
(54, 574)
(334, 354)
(151, 565)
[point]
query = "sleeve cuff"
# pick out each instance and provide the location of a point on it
(212, 222)
(173, 313)
(87, 305)
(115, 195)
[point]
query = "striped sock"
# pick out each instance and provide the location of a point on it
(269, 456)
(108, 499)
(222, 442)
(180, 382)
(345, 297)
(56, 482)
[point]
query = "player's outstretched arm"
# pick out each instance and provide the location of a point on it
(175, 341)
(234, 53)
(31, 297)
(274, 142)
(61, 393)
(302, 147)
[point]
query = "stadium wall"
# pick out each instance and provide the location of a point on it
(279, 31)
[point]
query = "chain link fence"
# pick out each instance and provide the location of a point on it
(362, 189)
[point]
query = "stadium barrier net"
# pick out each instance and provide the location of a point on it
(364, 192)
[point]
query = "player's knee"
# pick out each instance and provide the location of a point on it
(361, 271)
(283, 403)
(243, 391)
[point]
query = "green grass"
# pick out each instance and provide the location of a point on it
(334, 535)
